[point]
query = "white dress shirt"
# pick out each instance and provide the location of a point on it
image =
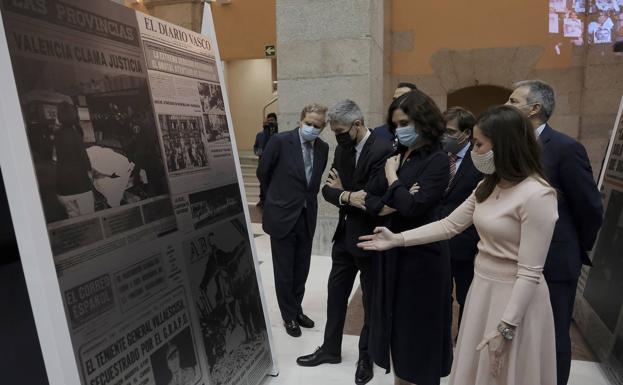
(539, 130)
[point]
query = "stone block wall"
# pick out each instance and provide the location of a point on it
(326, 54)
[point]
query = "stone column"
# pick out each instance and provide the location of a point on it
(328, 51)
(185, 13)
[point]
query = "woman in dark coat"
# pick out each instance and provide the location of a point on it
(410, 320)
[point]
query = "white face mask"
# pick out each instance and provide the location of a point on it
(484, 162)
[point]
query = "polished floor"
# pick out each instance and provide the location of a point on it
(288, 348)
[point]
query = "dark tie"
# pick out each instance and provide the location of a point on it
(309, 167)
(350, 161)
(453, 158)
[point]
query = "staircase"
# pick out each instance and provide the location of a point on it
(248, 165)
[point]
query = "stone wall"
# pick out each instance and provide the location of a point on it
(587, 92)
(326, 54)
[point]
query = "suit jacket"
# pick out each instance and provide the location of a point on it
(281, 173)
(412, 278)
(580, 212)
(384, 133)
(463, 247)
(354, 222)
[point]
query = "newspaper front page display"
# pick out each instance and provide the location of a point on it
(599, 306)
(128, 135)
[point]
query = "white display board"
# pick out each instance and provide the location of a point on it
(124, 184)
(600, 309)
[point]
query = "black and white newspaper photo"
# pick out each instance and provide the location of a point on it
(141, 219)
(90, 123)
(189, 103)
(185, 142)
(226, 298)
(211, 98)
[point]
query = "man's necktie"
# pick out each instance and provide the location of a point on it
(350, 160)
(309, 167)
(453, 158)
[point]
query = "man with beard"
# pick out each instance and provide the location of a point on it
(359, 155)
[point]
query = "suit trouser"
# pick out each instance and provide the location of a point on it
(344, 270)
(462, 276)
(562, 297)
(291, 259)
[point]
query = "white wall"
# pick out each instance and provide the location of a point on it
(249, 86)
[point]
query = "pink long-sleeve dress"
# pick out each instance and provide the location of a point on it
(515, 226)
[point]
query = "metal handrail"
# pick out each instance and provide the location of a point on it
(266, 106)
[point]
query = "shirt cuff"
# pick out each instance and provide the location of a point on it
(339, 200)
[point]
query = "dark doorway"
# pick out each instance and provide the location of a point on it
(478, 99)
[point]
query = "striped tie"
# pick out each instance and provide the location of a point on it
(453, 158)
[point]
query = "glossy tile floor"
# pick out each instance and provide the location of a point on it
(314, 305)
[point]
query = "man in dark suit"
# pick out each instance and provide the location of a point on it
(580, 211)
(383, 131)
(359, 155)
(289, 173)
(463, 180)
(269, 129)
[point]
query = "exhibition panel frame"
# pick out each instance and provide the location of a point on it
(124, 183)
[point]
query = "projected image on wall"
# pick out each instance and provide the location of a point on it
(586, 21)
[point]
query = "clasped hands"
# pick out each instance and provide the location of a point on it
(352, 198)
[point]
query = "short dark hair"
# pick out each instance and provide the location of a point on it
(408, 85)
(464, 118)
(271, 115)
(423, 111)
(516, 152)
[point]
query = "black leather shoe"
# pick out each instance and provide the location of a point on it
(364, 371)
(292, 328)
(318, 357)
(305, 321)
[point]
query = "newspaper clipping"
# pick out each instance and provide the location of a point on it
(127, 130)
(226, 299)
(607, 267)
(90, 124)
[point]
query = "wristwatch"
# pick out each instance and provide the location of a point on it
(506, 331)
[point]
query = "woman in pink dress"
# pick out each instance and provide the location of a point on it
(507, 331)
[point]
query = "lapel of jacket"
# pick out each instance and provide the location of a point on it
(296, 153)
(546, 135)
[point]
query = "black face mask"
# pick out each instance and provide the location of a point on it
(345, 140)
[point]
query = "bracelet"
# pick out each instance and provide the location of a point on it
(507, 331)
(349, 197)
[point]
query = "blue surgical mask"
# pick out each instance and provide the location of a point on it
(407, 136)
(309, 133)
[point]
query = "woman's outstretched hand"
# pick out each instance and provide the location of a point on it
(382, 239)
